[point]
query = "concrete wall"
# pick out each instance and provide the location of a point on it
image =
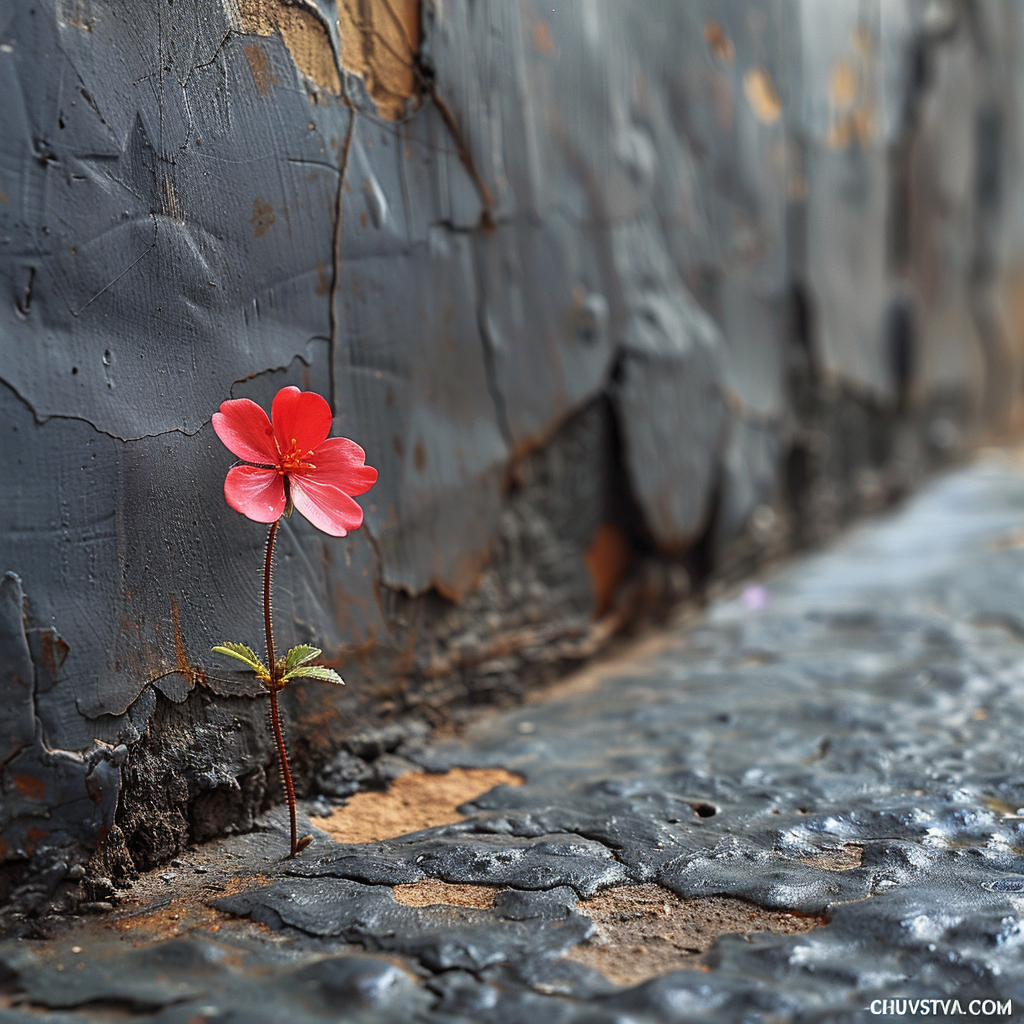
(618, 298)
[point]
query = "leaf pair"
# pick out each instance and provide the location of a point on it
(294, 664)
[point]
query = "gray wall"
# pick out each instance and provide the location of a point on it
(621, 293)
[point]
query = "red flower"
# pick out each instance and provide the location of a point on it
(322, 473)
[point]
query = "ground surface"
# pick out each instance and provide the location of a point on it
(808, 800)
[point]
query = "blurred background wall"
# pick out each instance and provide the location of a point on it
(621, 299)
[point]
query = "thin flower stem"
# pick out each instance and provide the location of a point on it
(275, 717)
(268, 566)
(282, 757)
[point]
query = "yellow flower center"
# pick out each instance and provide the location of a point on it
(294, 460)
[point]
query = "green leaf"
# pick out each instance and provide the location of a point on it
(321, 672)
(246, 655)
(300, 655)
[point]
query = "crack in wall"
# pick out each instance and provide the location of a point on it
(341, 170)
(42, 420)
(487, 343)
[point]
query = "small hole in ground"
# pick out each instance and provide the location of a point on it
(705, 810)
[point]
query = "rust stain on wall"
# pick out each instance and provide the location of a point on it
(304, 36)
(180, 653)
(262, 216)
(379, 42)
(542, 39)
(323, 284)
(54, 650)
(262, 72)
(30, 786)
(718, 42)
(607, 560)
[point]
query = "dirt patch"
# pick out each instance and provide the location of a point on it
(177, 918)
(645, 931)
(147, 911)
(843, 858)
(432, 891)
(414, 801)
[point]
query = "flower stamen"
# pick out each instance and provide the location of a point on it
(295, 460)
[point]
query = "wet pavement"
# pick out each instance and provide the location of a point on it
(809, 800)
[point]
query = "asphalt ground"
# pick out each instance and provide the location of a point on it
(806, 805)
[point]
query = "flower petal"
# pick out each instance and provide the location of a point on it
(245, 430)
(341, 463)
(256, 493)
(326, 507)
(302, 416)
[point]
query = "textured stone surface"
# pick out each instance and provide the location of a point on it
(847, 749)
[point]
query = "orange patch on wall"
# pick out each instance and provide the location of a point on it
(542, 39)
(30, 786)
(259, 64)
(33, 837)
(180, 653)
(53, 649)
(380, 40)
(718, 42)
(304, 36)
(851, 94)
(762, 96)
(607, 560)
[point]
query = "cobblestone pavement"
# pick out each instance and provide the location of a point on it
(807, 801)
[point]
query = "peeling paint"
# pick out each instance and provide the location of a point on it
(303, 33)
(380, 42)
(80, 14)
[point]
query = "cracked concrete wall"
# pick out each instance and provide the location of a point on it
(594, 289)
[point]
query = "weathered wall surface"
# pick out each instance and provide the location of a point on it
(612, 299)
